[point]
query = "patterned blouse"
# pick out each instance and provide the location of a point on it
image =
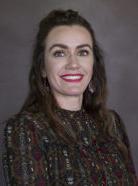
(35, 156)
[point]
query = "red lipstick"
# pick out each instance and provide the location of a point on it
(74, 78)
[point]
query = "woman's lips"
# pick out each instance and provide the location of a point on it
(72, 77)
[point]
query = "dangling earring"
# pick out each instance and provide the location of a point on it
(90, 88)
(46, 87)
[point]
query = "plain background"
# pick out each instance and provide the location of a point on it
(116, 27)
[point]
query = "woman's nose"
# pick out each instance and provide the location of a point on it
(72, 62)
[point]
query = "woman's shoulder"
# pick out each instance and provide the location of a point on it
(26, 118)
(119, 127)
(27, 121)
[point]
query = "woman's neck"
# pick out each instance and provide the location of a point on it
(72, 103)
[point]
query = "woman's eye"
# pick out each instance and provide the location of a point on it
(59, 53)
(83, 53)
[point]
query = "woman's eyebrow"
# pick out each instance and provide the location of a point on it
(58, 45)
(84, 45)
(66, 47)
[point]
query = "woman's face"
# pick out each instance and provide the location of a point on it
(68, 60)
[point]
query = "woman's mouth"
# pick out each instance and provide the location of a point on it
(72, 77)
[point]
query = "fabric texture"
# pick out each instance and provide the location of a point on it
(35, 156)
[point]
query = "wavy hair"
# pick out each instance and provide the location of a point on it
(40, 100)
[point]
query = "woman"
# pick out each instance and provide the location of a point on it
(64, 134)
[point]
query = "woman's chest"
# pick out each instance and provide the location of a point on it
(93, 164)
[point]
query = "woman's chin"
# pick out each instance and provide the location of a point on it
(74, 93)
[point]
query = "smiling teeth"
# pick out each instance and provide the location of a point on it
(72, 77)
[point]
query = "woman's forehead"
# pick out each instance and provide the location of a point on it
(69, 35)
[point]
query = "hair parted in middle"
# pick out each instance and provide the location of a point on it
(98, 81)
(41, 100)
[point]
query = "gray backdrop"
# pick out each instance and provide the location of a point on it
(116, 25)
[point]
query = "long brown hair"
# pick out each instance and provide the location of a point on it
(40, 100)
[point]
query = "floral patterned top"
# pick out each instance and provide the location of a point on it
(35, 156)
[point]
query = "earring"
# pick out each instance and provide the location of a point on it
(46, 87)
(90, 88)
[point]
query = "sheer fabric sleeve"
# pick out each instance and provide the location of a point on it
(24, 161)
